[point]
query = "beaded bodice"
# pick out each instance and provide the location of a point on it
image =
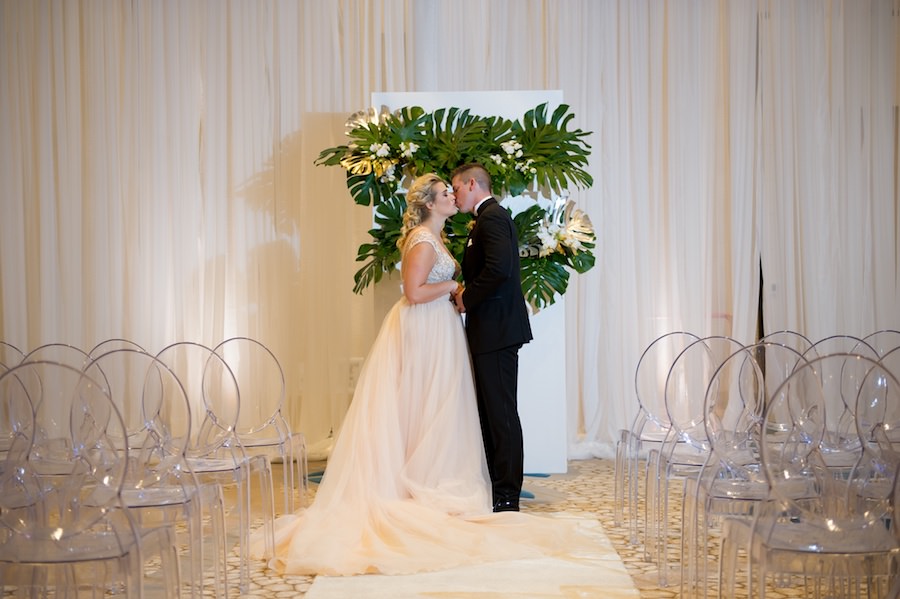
(445, 267)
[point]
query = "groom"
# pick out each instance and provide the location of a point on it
(496, 327)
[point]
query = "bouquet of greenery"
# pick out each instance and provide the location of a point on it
(386, 150)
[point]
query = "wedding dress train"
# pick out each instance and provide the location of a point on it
(406, 488)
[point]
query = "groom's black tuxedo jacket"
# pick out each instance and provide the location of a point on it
(496, 315)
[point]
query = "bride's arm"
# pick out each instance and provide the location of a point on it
(417, 263)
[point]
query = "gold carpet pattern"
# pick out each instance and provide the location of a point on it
(587, 488)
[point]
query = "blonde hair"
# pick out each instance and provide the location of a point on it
(417, 212)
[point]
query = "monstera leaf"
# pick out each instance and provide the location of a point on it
(387, 150)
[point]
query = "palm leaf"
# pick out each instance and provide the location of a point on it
(367, 190)
(542, 280)
(382, 255)
(379, 156)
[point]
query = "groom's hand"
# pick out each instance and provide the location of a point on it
(457, 299)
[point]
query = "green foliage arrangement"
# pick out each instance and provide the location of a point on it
(387, 150)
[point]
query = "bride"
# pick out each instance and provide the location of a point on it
(406, 488)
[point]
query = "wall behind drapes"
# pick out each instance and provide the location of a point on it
(157, 177)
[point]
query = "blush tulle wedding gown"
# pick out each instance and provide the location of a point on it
(406, 488)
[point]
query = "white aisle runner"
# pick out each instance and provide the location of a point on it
(601, 575)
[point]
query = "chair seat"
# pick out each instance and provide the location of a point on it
(162, 497)
(807, 538)
(83, 548)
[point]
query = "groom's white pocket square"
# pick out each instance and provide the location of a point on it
(469, 244)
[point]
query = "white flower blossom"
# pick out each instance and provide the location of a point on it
(497, 158)
(389, 175)
(525, 167)
(408, 148)
(380, 150)
(512, 147)
(549, 237)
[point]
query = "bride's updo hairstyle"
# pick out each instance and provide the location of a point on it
(417, 212)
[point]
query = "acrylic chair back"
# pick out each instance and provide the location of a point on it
(792, 339)
(840, 510)
(685, 449)
(10, 355)
(731, 483)
(108, 345)
(62, 353)
(883, 340)
(151, 399)
(261, 384)
(686, 386)
(262, 426)
(216, 453)
(62, 509)
(649, 426)
(651, 375)
(213, 394)
(840, 386)
(159, 479)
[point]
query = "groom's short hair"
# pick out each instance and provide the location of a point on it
(473, 170)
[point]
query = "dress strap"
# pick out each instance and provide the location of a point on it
(420, 236)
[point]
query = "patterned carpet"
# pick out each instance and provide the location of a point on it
(588, 488)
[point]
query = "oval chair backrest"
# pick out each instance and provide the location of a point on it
(883, 341)
(150, 397)
(260, 380)
(212, 392)
(792, 339)
(651, 372)
(109, 345)
(839, 388)
(72, 476)
(10, 355)
(736, 399)
(687, 383)
(61, 353)
(794, 454)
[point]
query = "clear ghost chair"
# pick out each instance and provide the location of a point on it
(262, 426)
(824, 531)
(878, 407)
(685, 448)
(841, 445)
(65, 529)
(883, 340)
(62, 353)
(159, 482)
(649, 427)
(216, 454)
(792, 339)
(731, 483)
(10, 355)
(891, 361)
(8, 421)
(108, 345)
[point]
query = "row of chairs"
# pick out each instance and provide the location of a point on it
(151, 439)
(710, 407)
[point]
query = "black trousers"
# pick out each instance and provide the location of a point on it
(496, 381)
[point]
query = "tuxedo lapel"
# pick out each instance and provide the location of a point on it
(472, 238)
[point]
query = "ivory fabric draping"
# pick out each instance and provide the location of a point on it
(157, 179)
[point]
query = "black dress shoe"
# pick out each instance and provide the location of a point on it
(506, 505)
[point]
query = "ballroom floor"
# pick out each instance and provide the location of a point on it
(586, 488)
